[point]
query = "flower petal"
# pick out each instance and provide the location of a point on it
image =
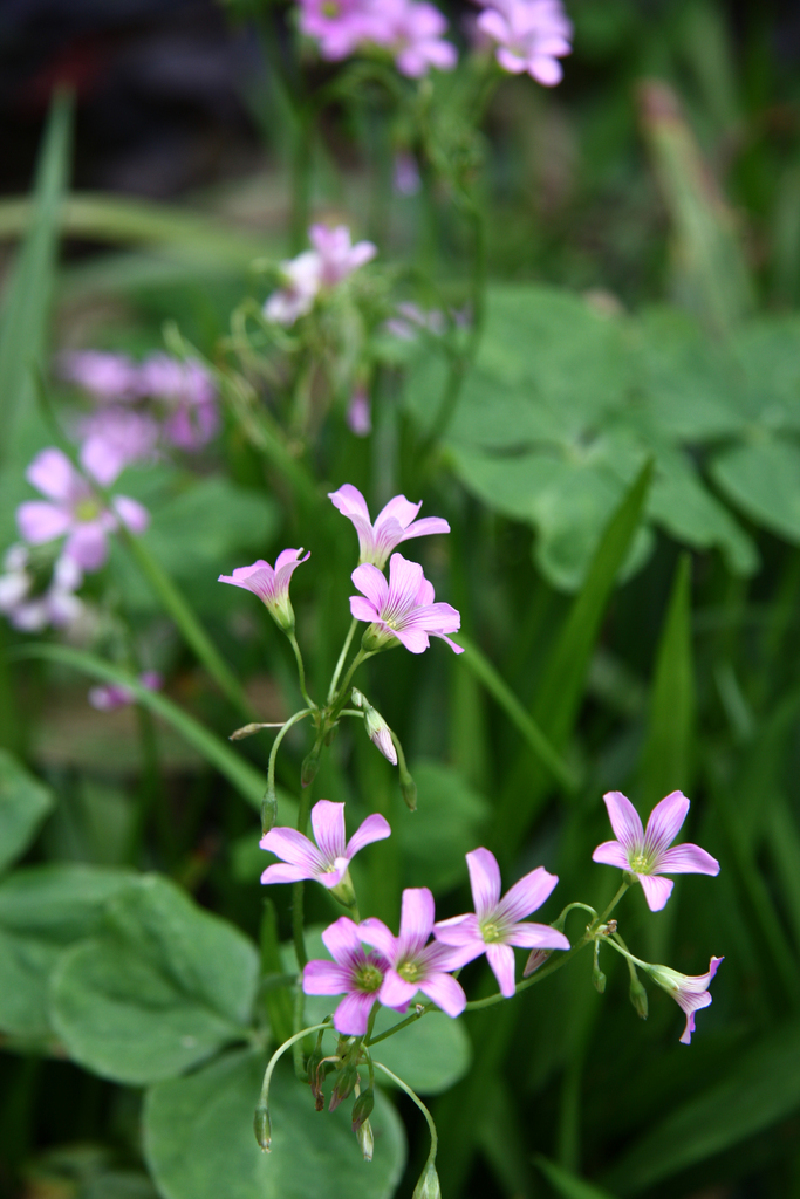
(280, 873)
(527, 895)
(415, 640)
(446, 993)
(422, 528)
(625, 821)
(351, 1017)
(611, 853)
(398, 509)
(350, 502)
(417, 919)
(666, 821)
(536, 936)
(374, 828)
(342, 942)
(460, 930)
(657, 890)
(39, 521)
(395, 991)
(484, 877)
(325, 978)
(327, 821)
(687, 859)
(52, 473)
(131, 513)
(371, 583)
(374, 932)
(501, 960)
(294, 848)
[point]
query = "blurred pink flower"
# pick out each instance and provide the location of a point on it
(690, 991)
(339, 26)
(531, 35)
(119, 436)
(498, 924)
(406, 174)
(271, 585)
(330, 261)
(395, 522)
(103, 374)
(413, 32)
(646, 853)
(329, 859)
(403, 608)
(356, 974)
(57, 605)
(188, 394)
(359, 419)
(73, 509)
(108, 696)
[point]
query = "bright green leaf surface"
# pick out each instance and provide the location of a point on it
(763, 480)
(24, 803)
(199, 1143)
(160, 988)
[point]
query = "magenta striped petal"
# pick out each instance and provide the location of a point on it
(625, 821)
(611, 853)
(374, 932)
(688, 859)
(396, 992)
(325, 978)
(501, 960)
(351, 1017)
(416, 922)
(446, 993)
(527, 895)
(369, 580)
(327, 821)
(374, 828)
(484, 877)
(529, 935)
(666, 821)
(657, 890)
(279, 872)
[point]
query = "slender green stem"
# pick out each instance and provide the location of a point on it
(336, 709)
(297, 888)
(342, 656)
(263, 1105)
(415, 1099)
(412, 1019)
(301, 669)
(273, 753)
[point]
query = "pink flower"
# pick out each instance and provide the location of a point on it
(73, 508)
(413, 32)
(337, 257)
(331, 260)
(353, 972)
(531, 35)
(690, 991)
(189, 396)
(414, 963)
(646, 853)
(338, 25)
(104, 375)
(495, 925)
(403, 608)
(270, 585)
(119, 436)
(329, 859)
(393, 524)
(29, 609)
(109, 696)
(359, 419)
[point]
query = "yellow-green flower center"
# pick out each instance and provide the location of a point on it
(640, 863)
(409, 970)
(87, 509)
(368, 979)
(491, 932)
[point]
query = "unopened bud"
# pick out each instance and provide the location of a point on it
(366, 1139)
(428, 1185)
(310, 766)
(344, 1086)
(408, 789)
(269, 811)
(598, 978)
(262, 1127)
(638, 997)
(362, 1108)
(380, 734)
(315, 1076)
(536, 958)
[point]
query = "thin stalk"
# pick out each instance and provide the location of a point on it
(262, 1108)
(301, 669)
(336, 711)
(273, 753)
(348, 641)
(415, 1099)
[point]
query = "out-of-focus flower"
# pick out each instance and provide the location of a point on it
(271, 585)
(330, 261)
(531, 36)
(359, 418)
(403, 608)
(327, 861)
(73, 509)
(104, 375)
(356, 974)
(119, 436)
(395, 522)
(690, 991)
(414, 34)
(646, 853)
(411, 319)
(339, 26)
(414, 962)
(57, 605)
(188, 394)
(109, 696)
(406, 174)
(498, 924)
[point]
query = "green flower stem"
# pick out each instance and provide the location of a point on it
(335, 710)
(348, 641)
(263, 1106)
(415, 1099)
(301, 669)
(273, 753)
(412, 1019)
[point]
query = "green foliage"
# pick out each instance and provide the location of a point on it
(24, 803)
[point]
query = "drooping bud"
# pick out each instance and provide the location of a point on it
(536, 958)
(638, 997)
(362, 1108)
(262, 1127)
(598, 977)
(315, 1076)
(310, 766)
(428, 1185)
(380, 734)
(347, 1079)
(366, 1139)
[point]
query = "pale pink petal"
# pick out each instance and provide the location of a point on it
(292, 847)
(527, 895)
(666, 821)
(52, 473)
(131, 513)
(39, 521)
(535, 936)
(625, 821)
(351, 1017)
(325, 978)
(395, 991)
(484, 877)
(501, 960)
(436, 618)
(460, 931)
(350, 502)
(87, 544)
(342, 942)
(701, 1002)
(426, 526)
(280, 873)
(327, 821)
(611, 853)
(416, 921)
(657, 890)
(372, 583)
(446, 993)
(687, 859)
(362, 609)
(398, 509)
(415, 640)
(374, 932)
(374, 828)
(405, 580)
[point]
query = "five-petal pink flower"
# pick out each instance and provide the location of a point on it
(498, 924)
(329, 859)
(414, 962)
(354, 972)
(395, 522)
(690, 991)
(403, 608)
(72, 507)
(647, 853)
(270, 584)
(330, 261)
(531, 36)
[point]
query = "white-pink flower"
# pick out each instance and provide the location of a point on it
(647, 853)
(101, 373)
(414, 34)
(27, 607)
(690, 991)
(403, 608)
(396, 522)
(107, 697)
(328, 860)
(73, 509)
(322, 268)
(531, 35)
(498, 924)
(270, 584)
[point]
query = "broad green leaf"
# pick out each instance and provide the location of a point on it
(766, 350)
(762, 1087)
(763, 479)
(23, 327)
(161, 987)
(430, 1055)
(565, 1183)
(43, 910)
(199, 1143)
(24, 803)
(446, 825)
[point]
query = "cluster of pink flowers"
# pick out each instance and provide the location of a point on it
(141, 406)
(370, 965)
(330, 261)
(529, 35)
(411, 31)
